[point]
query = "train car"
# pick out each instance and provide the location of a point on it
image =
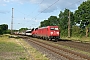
(49, 33)
(28, 33)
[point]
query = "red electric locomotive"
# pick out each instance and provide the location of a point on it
(49, 33)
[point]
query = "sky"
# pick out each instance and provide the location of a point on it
(29, 13)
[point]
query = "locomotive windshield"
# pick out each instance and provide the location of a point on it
(28, 31)
(54, 29)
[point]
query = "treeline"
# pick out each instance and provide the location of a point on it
(79, 21)
(4, 29)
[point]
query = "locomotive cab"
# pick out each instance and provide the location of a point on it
(54, 33)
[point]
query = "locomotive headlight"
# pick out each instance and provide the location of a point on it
(57, 32)
(51, 33)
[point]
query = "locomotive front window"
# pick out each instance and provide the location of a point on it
(54, 29)
(51, 28)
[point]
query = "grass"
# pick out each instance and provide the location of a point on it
(79, 39)
(9, 47)
(10, 50)
(18, 49)
(36, 55)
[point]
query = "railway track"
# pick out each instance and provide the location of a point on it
(77, 45)
(61, 52)
(67, 54)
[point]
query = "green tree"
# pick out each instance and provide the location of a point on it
(82, 15)
(1, 31)
(63, 21)
(64, 17)
(23, 29)
(44, 23)
(52, 21)
(3, 28)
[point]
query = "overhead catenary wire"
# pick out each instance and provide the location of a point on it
(41, 1)
(26, 15)
(36, 8)
(73, 3)
(52, 5)
(45, 9)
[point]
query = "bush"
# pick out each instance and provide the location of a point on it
(64, 33)
(77, 31)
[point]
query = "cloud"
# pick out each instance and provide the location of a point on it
(46, 6)
(4, 12)
(50, 6)
(6, 0)
(4, 4)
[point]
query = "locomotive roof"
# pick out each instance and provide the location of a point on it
(47, 27)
